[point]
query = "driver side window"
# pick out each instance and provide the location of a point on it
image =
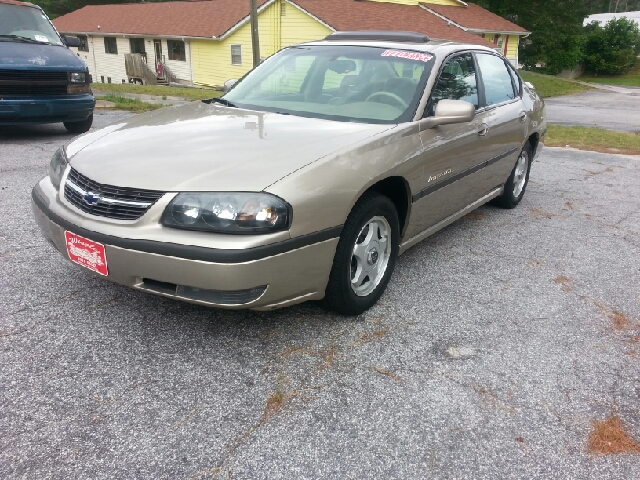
(457, 81)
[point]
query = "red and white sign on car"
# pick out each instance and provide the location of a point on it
(87, 253)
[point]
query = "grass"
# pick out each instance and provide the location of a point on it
(159, 91)
(131, 104)
(595, 139)
(631, 79)
(548, 86)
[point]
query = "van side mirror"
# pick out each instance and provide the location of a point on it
(449, 112)
(71, 41)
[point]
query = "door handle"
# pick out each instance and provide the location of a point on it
(523, 116)
(483, 130)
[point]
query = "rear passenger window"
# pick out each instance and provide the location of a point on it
(515, 78)
(457, 81)
(498, 87)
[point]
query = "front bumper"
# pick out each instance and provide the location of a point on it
(46, 109)
(291, 271)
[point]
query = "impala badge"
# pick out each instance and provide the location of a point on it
(433, 178)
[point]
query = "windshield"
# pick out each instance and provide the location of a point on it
(345, 83)
(18, 23)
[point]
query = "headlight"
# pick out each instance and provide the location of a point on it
(78, 77)
(238, 213)
(57, 167)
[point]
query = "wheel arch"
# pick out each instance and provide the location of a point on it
(397, 189)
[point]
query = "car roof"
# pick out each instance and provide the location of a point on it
(435, 47)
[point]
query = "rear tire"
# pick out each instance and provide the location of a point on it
(79, 127)
(517, 182)
(365, 256)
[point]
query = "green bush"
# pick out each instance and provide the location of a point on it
(611, 50)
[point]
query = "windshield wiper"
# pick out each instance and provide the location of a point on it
(19, 38)
(224, 102)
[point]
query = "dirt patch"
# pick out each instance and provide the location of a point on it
(475, 215)
(609, 436)
(387, 373)
(274, 404)
(562, 280)
(538, 212)
(368, 337)
(619, 320)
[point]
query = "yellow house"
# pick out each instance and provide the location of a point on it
(209, 41)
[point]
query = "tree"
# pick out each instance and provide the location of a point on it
(612, 49)
(555, 26)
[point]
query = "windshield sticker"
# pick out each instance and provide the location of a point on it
(422, 57)
(41, 38)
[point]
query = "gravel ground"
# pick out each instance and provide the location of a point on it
(488, 357)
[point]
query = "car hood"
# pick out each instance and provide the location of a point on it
(209, 147)
(33, 56)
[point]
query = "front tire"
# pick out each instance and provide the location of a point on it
(79, 127)
(365, 256)
(517, 181)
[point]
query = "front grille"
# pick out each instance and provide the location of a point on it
(108, 201)
(32, 76)
(26, 82)
(33, 90)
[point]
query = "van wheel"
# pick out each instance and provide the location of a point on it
(79, 127)
(365, 256)
(517, 181)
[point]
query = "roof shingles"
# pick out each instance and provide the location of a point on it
(213, 18)
(475, 17)
(205, 18)
(363, 15)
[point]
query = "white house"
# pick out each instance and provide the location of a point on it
(604, 18)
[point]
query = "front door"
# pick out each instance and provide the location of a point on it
(157, 46)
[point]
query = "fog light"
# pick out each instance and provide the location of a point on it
(236, 297)
(218, 297)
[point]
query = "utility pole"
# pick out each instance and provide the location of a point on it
(255, 38)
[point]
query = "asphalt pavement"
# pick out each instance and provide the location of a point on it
(497, 344)
(617, 109)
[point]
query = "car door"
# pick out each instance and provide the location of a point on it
(505, 117)
(441, 184)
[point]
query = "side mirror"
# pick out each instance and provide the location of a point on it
(71, 41)
(228, 84)
(449, 112)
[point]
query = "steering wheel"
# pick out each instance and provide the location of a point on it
(393, 96)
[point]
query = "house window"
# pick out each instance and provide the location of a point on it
(84, 43)
(110, 45)
(176, 50)
(236, 54)
(137, 45)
